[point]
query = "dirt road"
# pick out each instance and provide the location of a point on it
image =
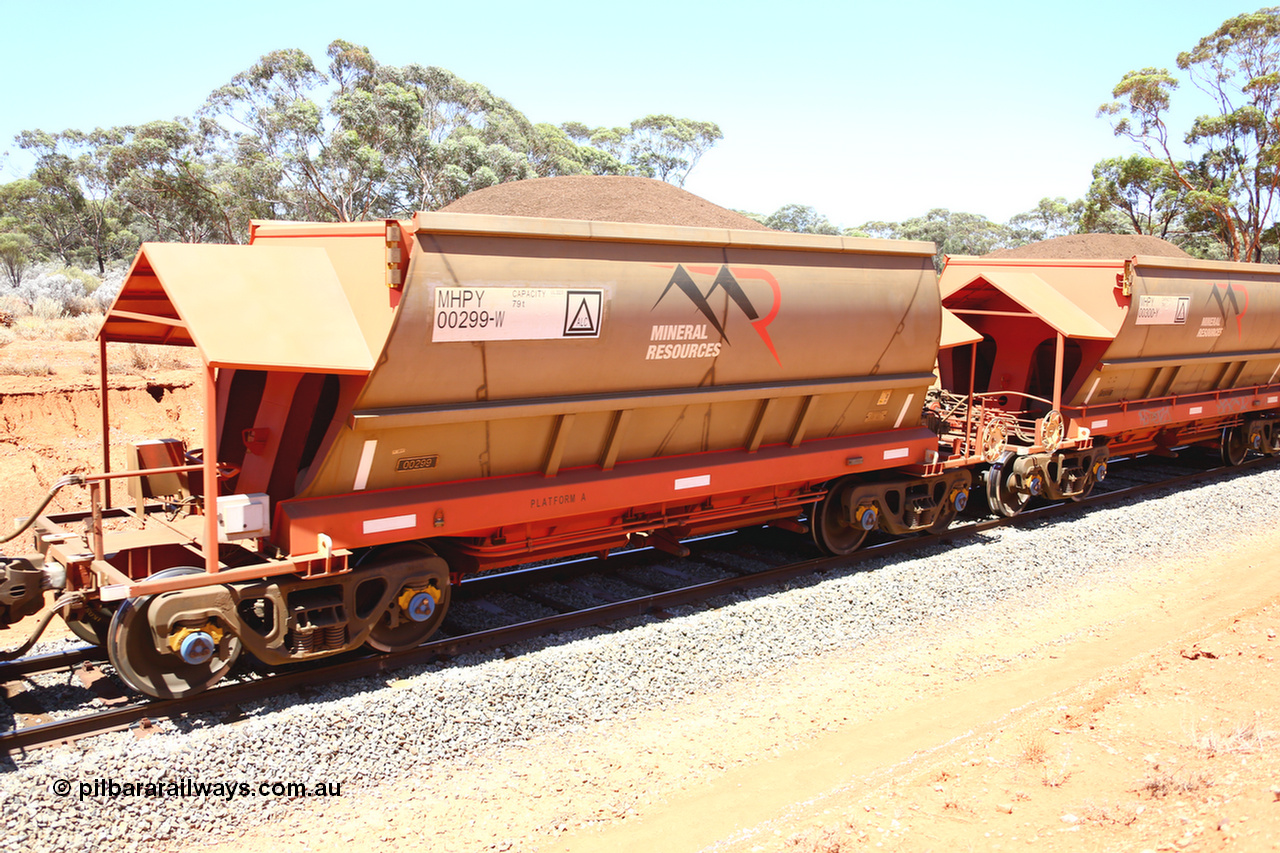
(1132, 718)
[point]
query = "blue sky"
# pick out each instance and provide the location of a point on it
(863, 110)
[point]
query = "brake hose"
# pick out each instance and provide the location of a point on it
(64, 600)
(69, 480)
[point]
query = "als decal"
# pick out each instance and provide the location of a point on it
(726, 279)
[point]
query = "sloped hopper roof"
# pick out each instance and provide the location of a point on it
(1035, 295)
(956, 332)
(258, 306)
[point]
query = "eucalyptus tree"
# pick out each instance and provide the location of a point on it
(15, 250)
(553, 152)
(1236, 149)
(179, 187)
(667, 148)
(955, 233)
(330, 155)
(364, 139)
(1051, 217)
(800, 218)
(1137, 195)
(286, 138)
(655, 146)
(75, 215)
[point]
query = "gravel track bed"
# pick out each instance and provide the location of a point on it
(361, 732)
(494, 611)
(675, 574)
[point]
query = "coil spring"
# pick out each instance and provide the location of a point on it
(335, 636)
(304, 639)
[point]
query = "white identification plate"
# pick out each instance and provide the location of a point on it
(1162, 310)
(516, 313)
(693, 482)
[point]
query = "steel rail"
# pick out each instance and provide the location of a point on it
(231, 695)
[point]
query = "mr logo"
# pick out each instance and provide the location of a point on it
(727, 280)
(1233, 295)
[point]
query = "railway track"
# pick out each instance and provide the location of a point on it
(566, 595)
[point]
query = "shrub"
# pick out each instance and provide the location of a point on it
(106, 293)
(82, 305)
(143, 358)
(32, 328)
(80, 328)
(14, 307)
(87, 280)
(47, 308)
(74, 291)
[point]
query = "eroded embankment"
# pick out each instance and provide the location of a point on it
(45, 435)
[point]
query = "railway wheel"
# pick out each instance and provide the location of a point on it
(1002, 497)
(91, 624)
(199, 665)
(418, 607)
(1085, 492)
(1233, 446)
(957, 501)
(832, 531)
(1097, 473)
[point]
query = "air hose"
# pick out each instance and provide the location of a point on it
(69, 480)
(64, 600)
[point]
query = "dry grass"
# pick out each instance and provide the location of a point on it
(1056, 775)
(11, 308)
(81, 328)
(1161, 783)
(1031, 749)
(33, 367)
(47, 309)
(137, 359)
(1110, 815)
(838, 839)
(1249, 736)
(143, 359)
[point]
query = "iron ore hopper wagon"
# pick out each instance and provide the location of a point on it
(1084, 358)
(391, 405)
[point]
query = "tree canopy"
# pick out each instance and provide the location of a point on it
(290, 139)
(350, 138)
(1232, 173)
(1136, 194)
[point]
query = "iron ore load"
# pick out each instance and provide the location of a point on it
(392, 405)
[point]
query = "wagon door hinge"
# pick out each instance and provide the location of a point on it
(1124, 280)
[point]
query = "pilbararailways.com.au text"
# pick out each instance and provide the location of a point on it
(226, 790)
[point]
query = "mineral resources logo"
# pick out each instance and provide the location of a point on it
(696, 336)
(1237, 296)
